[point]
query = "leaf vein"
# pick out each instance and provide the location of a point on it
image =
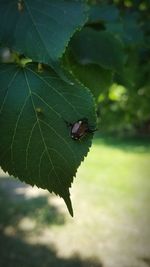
(6, 95)
(56, 91)
(51, 128)
(16, 125)
(28, 144)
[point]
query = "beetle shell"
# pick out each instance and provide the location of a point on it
(79, 129)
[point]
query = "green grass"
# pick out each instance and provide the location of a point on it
(111, 227)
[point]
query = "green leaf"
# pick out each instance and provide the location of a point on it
(103, 12)
(127, 29)
(97, 79)
(135, 71)
(35, 140)
(132, 29)
(117, 29)
(102, 48)
(42, 29)
(92, 76)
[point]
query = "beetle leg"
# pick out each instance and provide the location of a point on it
(92, 131)
(68, 123)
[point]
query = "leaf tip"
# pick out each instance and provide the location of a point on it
(68, 204)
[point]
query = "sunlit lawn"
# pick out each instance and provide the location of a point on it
(111, 226)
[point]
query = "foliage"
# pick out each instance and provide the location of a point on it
(127, 22)
(74, 46)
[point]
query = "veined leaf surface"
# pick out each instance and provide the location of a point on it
(35, 141)
(42, 29)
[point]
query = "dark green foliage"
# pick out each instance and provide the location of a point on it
(100, 48)
(116, 39)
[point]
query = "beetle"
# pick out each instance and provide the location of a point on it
(80, 128)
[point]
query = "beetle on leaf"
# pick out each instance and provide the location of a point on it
(80, 129)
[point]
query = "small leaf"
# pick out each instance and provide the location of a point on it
(102, 48)
(35, 140)
(42, 29)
